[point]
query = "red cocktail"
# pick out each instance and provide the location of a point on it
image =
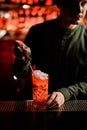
(40, 89)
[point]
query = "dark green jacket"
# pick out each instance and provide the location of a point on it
(60, 53)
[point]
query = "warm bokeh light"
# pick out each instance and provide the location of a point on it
(14, 77)
(31, 12)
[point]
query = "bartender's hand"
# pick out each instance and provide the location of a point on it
(56, 99)
(22, 51)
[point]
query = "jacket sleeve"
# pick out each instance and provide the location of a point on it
(79, 90)
(76, 91)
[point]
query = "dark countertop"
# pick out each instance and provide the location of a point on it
(27, 106)
(20, 115)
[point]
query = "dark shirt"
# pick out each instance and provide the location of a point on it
(63, 55)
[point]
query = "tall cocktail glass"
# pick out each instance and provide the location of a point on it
(39, 89)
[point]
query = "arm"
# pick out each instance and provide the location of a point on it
(21, 65)
(76, 91)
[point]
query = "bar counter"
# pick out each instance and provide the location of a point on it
(27, 106)
(20, 115)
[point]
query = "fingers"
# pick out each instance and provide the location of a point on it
(56, 99)
(22, 51)
(18, 43)
(51, 98)
(51, 101)
(26, 50)
(18, 51)
(18, 48)
(59, 100)
(22, 47)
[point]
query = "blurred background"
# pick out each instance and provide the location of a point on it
(16, 18)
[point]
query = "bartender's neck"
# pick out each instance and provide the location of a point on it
(69, 26)
(64, 23)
